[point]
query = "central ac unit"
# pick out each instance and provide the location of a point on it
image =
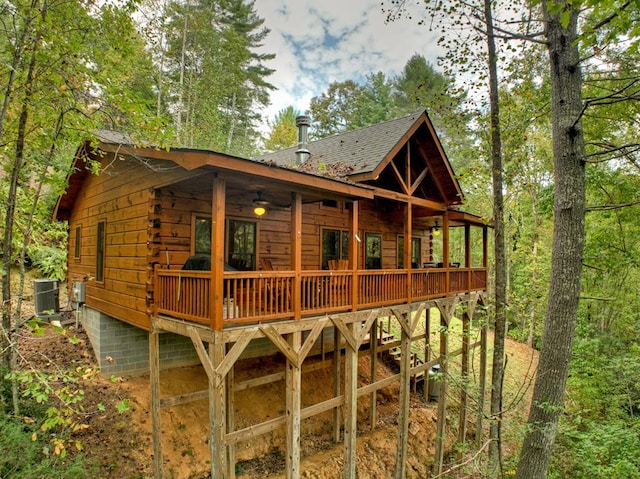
(46, 298)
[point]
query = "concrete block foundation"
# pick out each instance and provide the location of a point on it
(123, 349)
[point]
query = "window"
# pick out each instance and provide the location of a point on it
(100, 250)
(241, 245)
(416, 252)
(330, 204)
(373, 251)
(202, 236)
(76, 251)
(335, 245)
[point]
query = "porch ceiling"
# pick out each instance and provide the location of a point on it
(276, 192)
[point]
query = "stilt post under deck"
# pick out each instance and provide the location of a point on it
(217, 416)
(350, 406)
(403, 402)
(231, 423)
(464, 396)
(154, 373)
(337, 364)
(373, 349)
(293, 402)
(427, 351)
(442, 395)
(482, 380)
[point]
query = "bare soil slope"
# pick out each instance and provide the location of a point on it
(120, 443)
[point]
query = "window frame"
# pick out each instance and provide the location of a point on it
(343, 244)
(400, 250)
(101, 247)
(227, 240)
(77, 247)
(370, 237)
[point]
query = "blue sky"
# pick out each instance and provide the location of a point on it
(322, 41)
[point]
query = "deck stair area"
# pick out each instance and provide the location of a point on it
(390, 343)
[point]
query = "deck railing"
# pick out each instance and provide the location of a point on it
(252, 296)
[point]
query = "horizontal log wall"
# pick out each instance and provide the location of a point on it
(120, 196)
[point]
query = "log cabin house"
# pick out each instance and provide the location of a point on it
(178, 256)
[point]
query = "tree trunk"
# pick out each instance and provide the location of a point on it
(18, 163)
(568, 243)
(495, 447)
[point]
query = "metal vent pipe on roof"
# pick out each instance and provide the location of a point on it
(302, 153)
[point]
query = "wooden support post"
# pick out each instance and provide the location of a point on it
(350, 407)
(217, 252)
(373, 349)
(446, 261)
(467, 254)
(296, 251)
(427, 351)
(231, 423)
(337, 365)
(406, 253)
(154, 373)
(293, 402)
(482, 381)
(442, 396)
(217, 415)
(464, 396)
(403, 402)
(354, 253)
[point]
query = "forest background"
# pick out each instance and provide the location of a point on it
(192, 74)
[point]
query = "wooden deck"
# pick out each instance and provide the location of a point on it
(255, 296)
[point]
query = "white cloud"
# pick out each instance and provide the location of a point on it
(322, 41)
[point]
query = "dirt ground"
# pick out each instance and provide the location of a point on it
(120, 442)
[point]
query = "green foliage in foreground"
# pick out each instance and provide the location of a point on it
(597, 450)
(599, 435)
(24, 458)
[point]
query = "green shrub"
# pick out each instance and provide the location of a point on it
(49, 261)
(589, 449)
(25, 458)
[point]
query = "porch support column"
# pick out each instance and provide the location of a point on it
(485, 255)
(445, 251)
(156, 427)
(484, 247)
(217, 252)
(354, 253)
(296, 252)
(408, 232)
(467, 253)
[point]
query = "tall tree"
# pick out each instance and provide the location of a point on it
(601, 28)
(63, 82)
(337, 109)
(284, 132)
(500, 284)
(420, 85)
(215, 80)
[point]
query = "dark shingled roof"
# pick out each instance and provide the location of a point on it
(357, 151)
